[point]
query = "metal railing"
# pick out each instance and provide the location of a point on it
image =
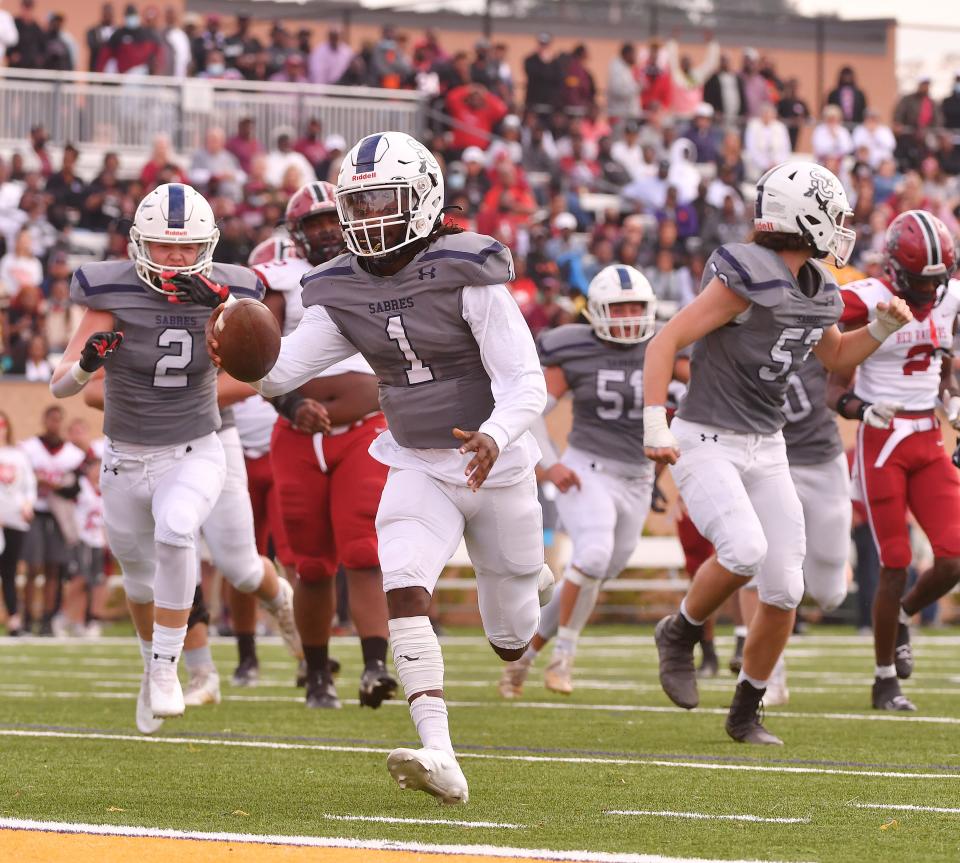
(124, 112)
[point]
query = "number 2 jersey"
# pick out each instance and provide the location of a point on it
(160, 387)
(606, 380)
(906, 367)
(739, 372)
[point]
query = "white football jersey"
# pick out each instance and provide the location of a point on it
(53, 467)
(255, 418)
(89, 515)
(906, 368)
(284, 277)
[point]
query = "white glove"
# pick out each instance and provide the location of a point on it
(881, 414)
(952, 407)
(656, 432)
(890, 317)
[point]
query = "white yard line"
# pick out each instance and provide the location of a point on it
(479, 756)
(382, 819)
(370, 844)
(705, 816)
(906, 807)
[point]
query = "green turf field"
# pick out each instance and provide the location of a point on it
(547, 772)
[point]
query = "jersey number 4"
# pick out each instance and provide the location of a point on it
(417, 371)
(167, 372)
(613, 400)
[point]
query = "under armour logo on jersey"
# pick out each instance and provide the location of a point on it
(706, 437)
(113, 470)
(427, 274)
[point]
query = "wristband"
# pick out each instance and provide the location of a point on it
(845, 399)
(80, 374)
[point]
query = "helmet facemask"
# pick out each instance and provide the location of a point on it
(632, 329)
(150, 271)
(906, 288)
(839, 242)
(317, 246)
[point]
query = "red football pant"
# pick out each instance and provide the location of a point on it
(267, 522)
(917, 475)
(330, 489)
(696, 549)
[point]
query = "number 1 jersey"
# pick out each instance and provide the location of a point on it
(906, 367)
(160, 387)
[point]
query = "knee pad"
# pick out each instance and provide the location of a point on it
(176, 581)
(178, 525)
(785, 592)
(312, 570)
(593, 561)
(416, 654)
(518, 615)
(896, 554)
(138, 583)
(242, 567)
(199, 613)
(744, 554)
(829, 601)
(359, 554)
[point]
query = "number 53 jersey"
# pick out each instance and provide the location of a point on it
(160, 386)
(906, 367)
(739, 372)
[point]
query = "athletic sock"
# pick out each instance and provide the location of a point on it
(429, 714)
(419, 663)
(708, 647)
(566, 642)
(198, 660)
(686, 614)
(146, 651)
(168, 642)
(740, 631)
(317, 657)
(755, 682)
(882, 672)
(247, 646)
(374, 649)
(903, 617)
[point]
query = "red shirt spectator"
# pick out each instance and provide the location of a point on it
(657, 83)
(477, 111)
(244, 144)
(131, 48)
(311, 144)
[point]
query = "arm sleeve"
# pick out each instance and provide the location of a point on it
(509, 358)
(315, 345)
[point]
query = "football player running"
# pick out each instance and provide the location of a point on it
(163, 466)
(766, 305)
(328, 484)
(901, 462)
(605, 489)
(460, 384)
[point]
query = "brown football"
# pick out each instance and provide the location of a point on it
(249, 338)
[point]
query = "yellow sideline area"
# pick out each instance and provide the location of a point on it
(29, 846)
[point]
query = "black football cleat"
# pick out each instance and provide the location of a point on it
(376, 685)
(886, 695)
(321, 692)
(247, 673)
(903, 656)
(736, 661)
(709, 666)
(745, 719)
(676, 637)
(332, 664)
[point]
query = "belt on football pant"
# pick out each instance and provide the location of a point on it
(902, 428)
(343, 429)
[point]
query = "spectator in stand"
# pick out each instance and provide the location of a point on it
(766, 142)
(38, 157)
(216, 68)
(62, 318)
(915, 113)
(684, 216)
(25, 319)
(671, 283)
(177, 50)
(283, 156)
(453, 72)
(8, 32)
(687, 79)
(99, 34)
(951, 105)
(657, 86)
(510, 131)
(755, 88)
(60, 48)
(37, 367)
(311, 144)
(703, 135)
(31, 47)
(18, 494)
(728, 224)
(245, 144)
(19, 268)
(214, 167)
(650, 190)
(579, 92)
(543, 77)
(279, 49)
(161, 157)
(793, 111)
(475, 112)
(330, 58)
(389, 66)
(303, 43)
(768, 71)
(473, 183)
(830, 137)
(58, 267)
(211, 39)
(579, 169)
(623, 86)
(328, 169)
(66, 190)
(104, 203)
(504, 87)
(724, 92)
(133, 49)
(509, 196)
(628, 152)
(875, 137)
(613, 175)
(483, 69)
(848, 97)
(294, 71)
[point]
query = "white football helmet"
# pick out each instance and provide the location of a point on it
(621, 284)
(173, 213)
(388, 180)
(806, 198)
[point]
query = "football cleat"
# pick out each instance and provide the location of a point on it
(736, 661)
(430, 770)
(247, 673)
(745, 719)
(903, 657)
(709, 665)
(777, 693)
(558, 675)
(886, 695)
(376, 685)
(513, 677)
(203, 687)
(545, 584)
(166, 695)
(676, 638)
(321, 692)
(332, 664)
(147, 723)
(283, 615)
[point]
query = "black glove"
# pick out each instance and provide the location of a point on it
(98, 347)
(194, 289)
(658, 501)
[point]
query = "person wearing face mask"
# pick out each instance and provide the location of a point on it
(133, 49)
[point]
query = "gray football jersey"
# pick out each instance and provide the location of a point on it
(160, 386)
(606, 380)
(739, 372)
(410, 328)
(811, 429)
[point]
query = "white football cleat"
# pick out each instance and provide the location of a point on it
(166, 695)
(202, 688)
(514, 676)
(545, 584)
(558, 675)
(147, 723)
(430, 770)
(283, 615)
(777, 693)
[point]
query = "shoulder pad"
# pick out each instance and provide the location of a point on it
(562, 344)
(242, 281)
(953, 289)
(282, 276)
(105, 285)
(750, 271)
(470, 259)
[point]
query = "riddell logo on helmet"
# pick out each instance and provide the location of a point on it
(365, 176)
(764, 226)
(170, 232)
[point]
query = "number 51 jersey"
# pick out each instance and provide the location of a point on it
(160, 387)
(739, 372)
